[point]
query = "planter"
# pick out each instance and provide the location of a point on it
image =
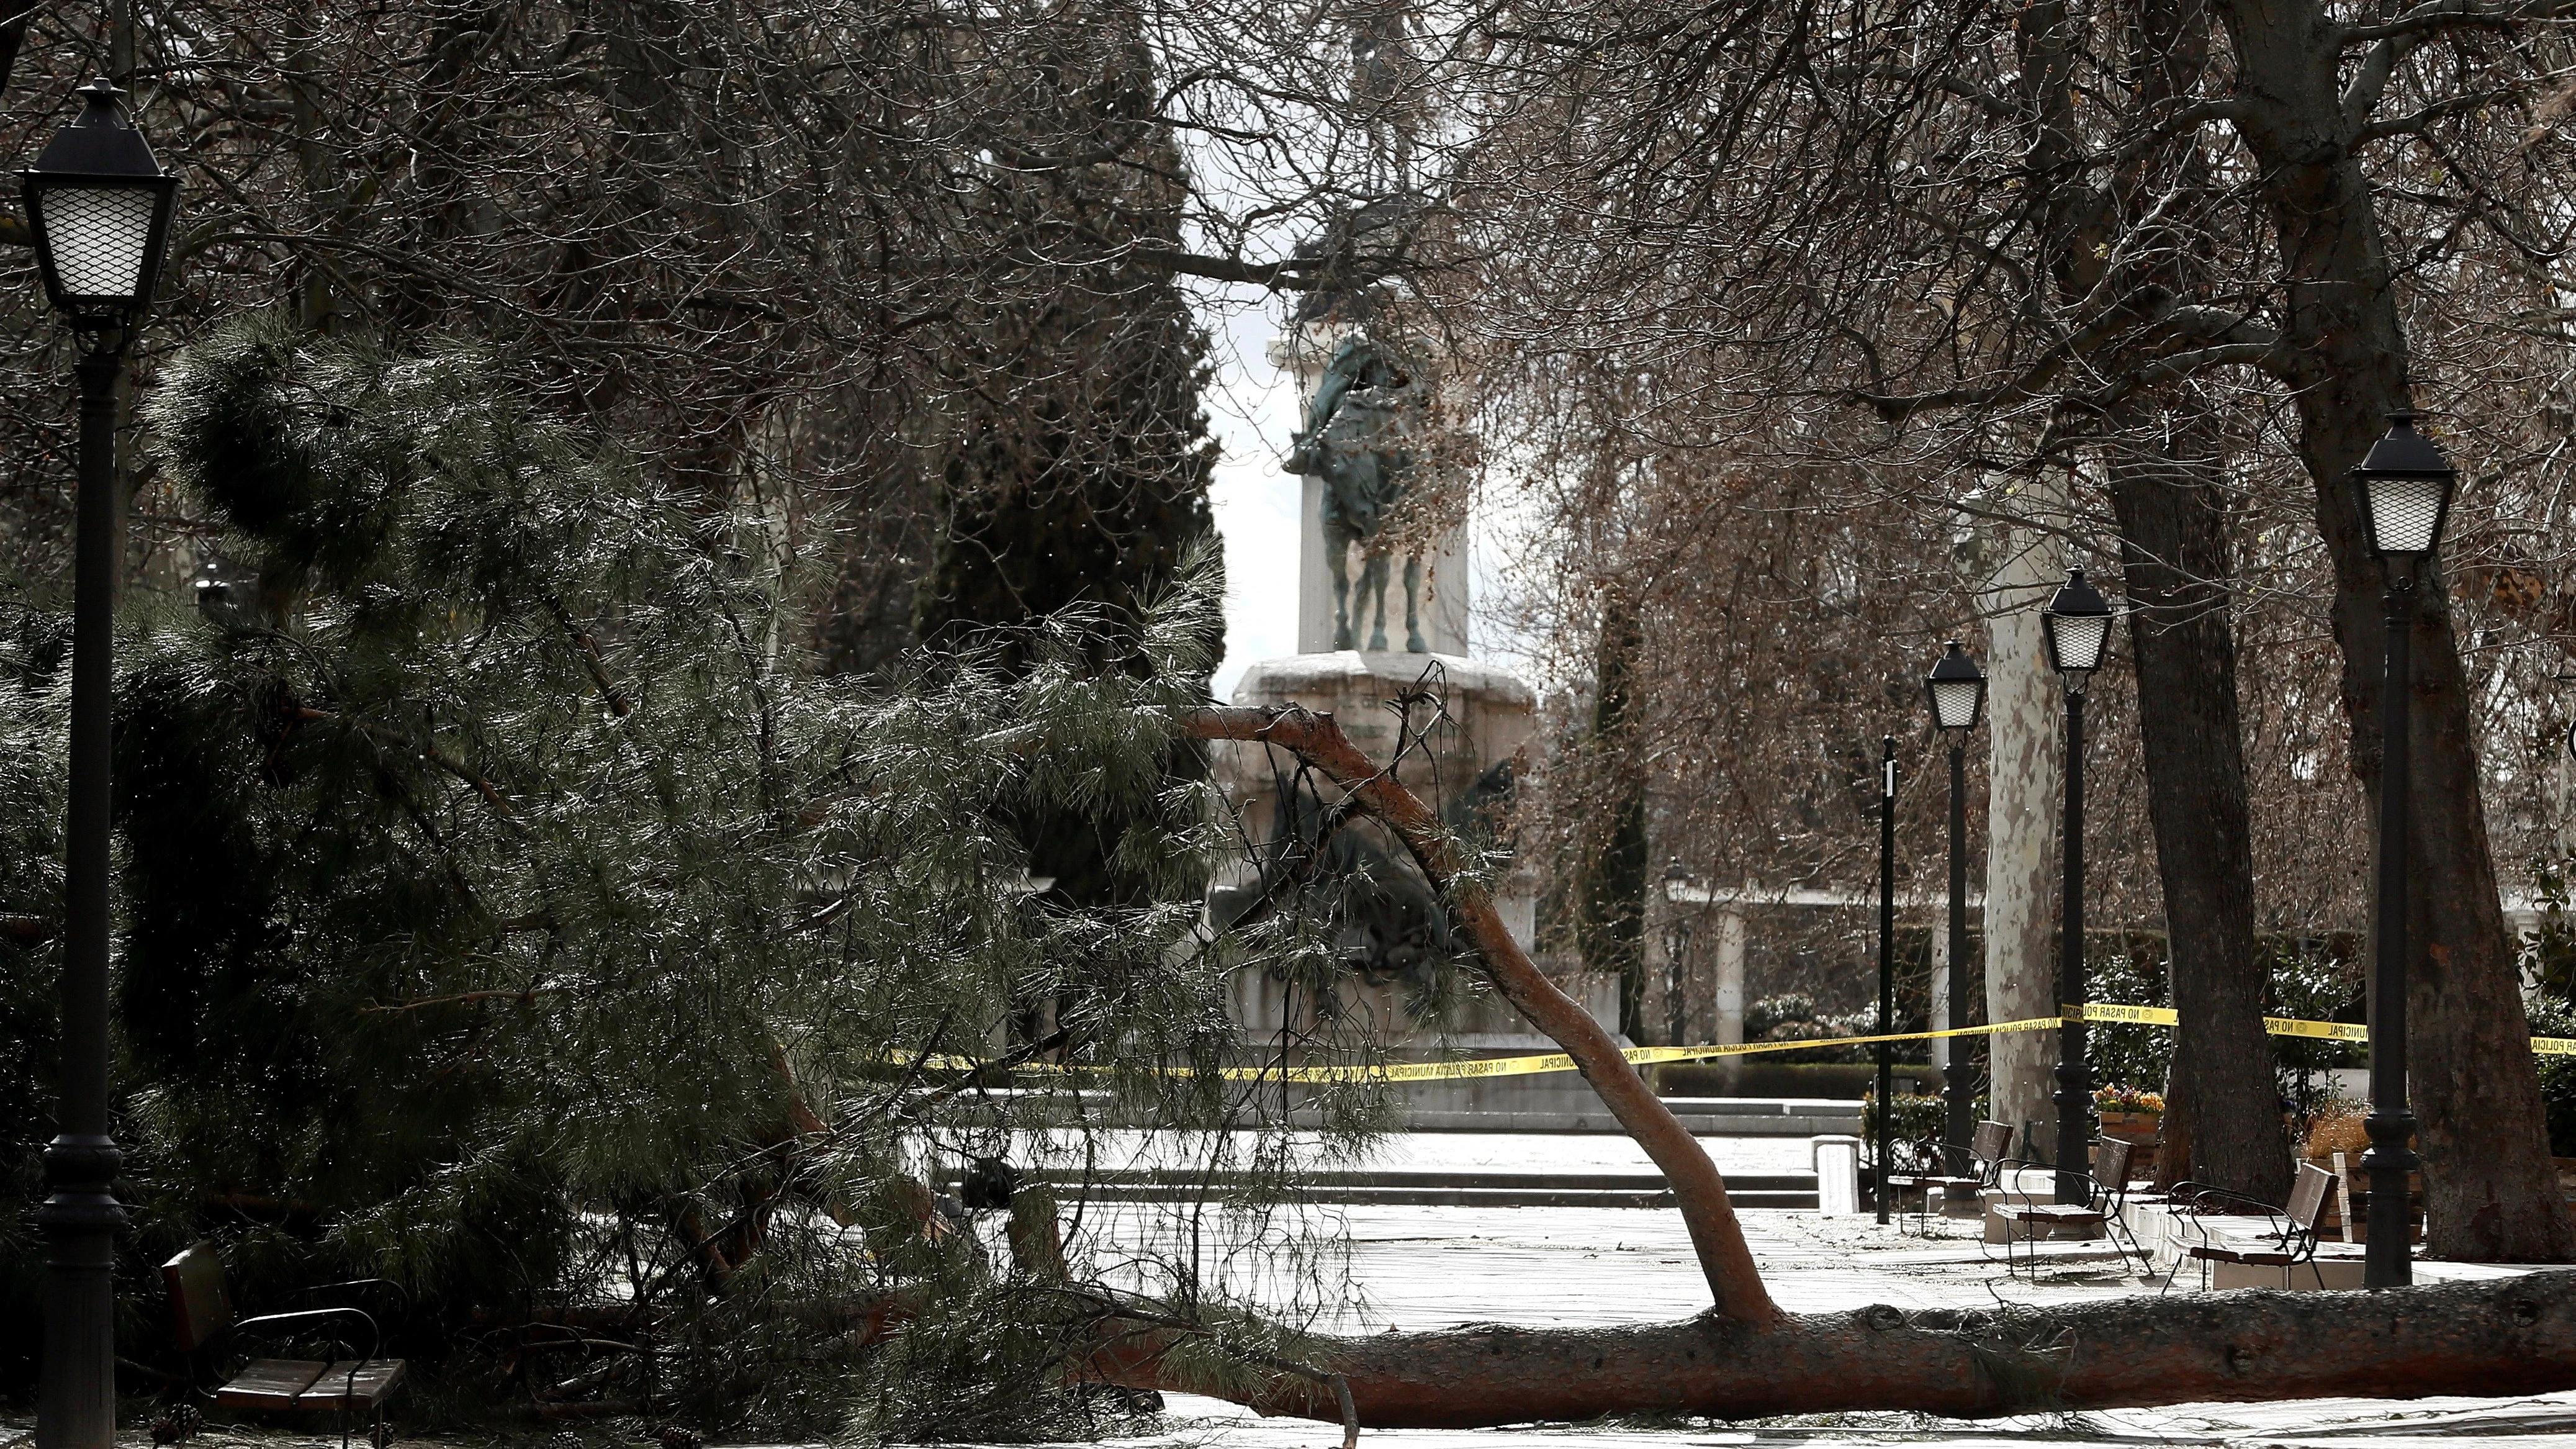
(2142, 1128)
(2146, 1130)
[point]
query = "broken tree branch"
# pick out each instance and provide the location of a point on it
(1699, 1191)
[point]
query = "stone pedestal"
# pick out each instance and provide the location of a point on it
(1464, 736)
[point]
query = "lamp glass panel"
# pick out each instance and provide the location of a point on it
(2080, 638)
(2404, 511)
(96, 236)
(1954, 703)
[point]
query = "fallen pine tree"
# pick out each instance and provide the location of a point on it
(2497, 1336)
(1744, 1358)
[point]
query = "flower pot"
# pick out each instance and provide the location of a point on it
(2142, 1128)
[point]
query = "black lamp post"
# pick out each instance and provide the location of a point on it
(1886, 967)
(2077, 624)
(99, 207)
(1957, 689)
(2404, 489)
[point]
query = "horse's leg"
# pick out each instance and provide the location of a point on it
(1373, 590)
(1413, 604)
(1337, 548)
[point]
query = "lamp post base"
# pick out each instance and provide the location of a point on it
(2389, 1259)
(2074, 1101)
(76, 1405)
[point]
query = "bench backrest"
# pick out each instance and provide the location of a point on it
(199, 1307)
(1990, 1142)
(2111, 1162)
(2308, 1196)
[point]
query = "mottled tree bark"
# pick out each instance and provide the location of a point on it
(2220, 1088)
(2013, 570)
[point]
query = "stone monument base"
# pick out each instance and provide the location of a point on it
(1462, 736)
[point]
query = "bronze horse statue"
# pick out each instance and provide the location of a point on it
(1359, 426)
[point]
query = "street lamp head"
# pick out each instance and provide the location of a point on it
(1958, 691)
(2077, 625)
(99, 206)
(2404, 487)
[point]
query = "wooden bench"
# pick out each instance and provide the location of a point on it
(2102, 1189)
(2286, 1254)
(2101, 1214)
(202, 1314)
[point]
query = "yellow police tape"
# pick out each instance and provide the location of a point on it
(1650, 1056)
(2548, 1046)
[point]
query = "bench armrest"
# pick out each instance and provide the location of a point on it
(375, 1338)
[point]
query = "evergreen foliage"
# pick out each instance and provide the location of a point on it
(510, 915)
(35, 698)
(1079, 466)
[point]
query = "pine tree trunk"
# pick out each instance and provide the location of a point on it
(2491, 1191)
(1745, 1359)
(2220, 1088)
(2507, 1336)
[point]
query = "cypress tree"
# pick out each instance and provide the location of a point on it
(1078, 469)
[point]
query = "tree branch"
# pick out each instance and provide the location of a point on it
(1698, 1189)
(588, 648)
(426, 751)
(2447, 14)
(522, 995)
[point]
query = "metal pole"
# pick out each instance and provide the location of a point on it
(1886, 966)
(2387, 1261)
(76, 1403)
(2074, 1085)
(1961, 1090)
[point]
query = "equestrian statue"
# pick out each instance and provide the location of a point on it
(1359, 428)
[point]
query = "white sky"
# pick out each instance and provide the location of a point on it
(1252, 407)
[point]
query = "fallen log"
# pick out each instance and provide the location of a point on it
(2490, 1337)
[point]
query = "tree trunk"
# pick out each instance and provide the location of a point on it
(2501, 1336)
(2013, 570)
(1699, 1193)
(1614, 892)
(2490, 1189)
(2220, 1088)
